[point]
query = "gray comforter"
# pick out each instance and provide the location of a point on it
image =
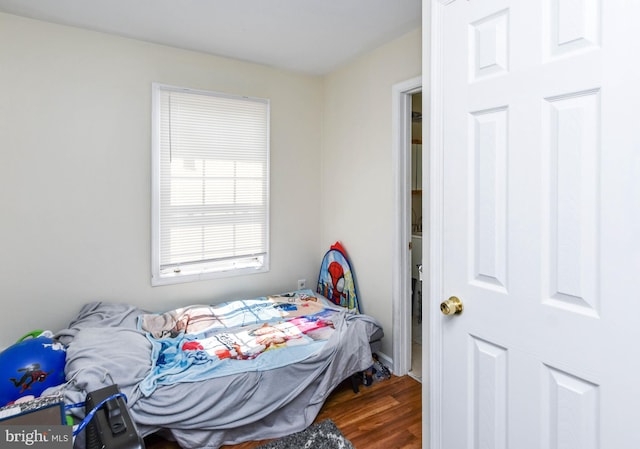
(104, 346)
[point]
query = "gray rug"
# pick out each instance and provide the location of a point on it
(323, 435)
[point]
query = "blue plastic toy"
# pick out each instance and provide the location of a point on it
(29, 367)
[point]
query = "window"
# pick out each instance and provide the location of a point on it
(210, 185)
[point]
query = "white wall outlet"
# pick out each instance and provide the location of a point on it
(302, 283)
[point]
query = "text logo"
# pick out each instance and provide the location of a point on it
(36, 437)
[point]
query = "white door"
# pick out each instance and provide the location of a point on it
(536, 206)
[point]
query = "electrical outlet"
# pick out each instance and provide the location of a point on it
(302, 283)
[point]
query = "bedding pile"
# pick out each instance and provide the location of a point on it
(221, 374)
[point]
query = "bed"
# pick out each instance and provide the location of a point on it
(208, 376)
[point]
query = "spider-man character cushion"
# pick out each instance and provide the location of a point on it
(336, 280)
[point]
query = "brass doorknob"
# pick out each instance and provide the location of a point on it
(452, 306)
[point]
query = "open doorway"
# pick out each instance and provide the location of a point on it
(408, 322)
(416, 236)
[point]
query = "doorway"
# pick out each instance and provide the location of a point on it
(408, 323)
(416, 236)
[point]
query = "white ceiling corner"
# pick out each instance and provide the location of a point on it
(310, 36)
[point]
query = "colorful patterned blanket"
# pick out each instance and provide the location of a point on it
(201, 342)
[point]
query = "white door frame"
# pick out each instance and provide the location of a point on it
(401, 273)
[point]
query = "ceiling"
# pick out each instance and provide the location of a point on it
(310, 36)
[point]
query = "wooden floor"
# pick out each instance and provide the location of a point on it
(385, 415)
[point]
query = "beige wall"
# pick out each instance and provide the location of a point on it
(75, 120)
(357, 177)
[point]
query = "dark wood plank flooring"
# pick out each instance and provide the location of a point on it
(386, 415)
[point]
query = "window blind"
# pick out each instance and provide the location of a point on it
(213, 182)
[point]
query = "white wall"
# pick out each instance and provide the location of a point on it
(75, 172)
(357, 177)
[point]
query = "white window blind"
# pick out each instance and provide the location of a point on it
(211, 154)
